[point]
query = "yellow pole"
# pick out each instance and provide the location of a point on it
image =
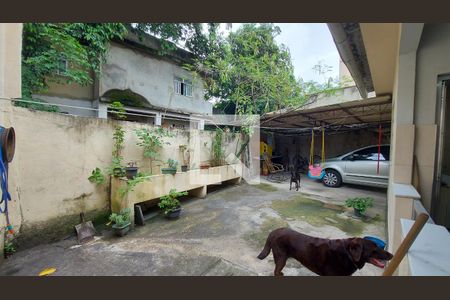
(311, 151)
(323, 145)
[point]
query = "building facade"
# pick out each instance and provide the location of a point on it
(149, 84)
(410, 62)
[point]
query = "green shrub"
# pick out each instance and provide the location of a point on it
(9, 248)
(152, 140)
(131, 183)
(122, 218)
(169, 202)
(172, 163)
(97, 176)
(359, 203)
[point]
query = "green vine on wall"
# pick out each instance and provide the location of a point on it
(217, 148)
(116, 168)
(131, 183)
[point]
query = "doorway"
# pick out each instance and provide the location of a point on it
(440, 206)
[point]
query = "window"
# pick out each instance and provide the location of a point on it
(62, 67)
(370, 154)
(182, 87)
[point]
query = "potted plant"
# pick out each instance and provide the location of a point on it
(170, 204)
(184, 152)
(172, 169)
(131, 170)
(121, 222)
(204, 165)
(359, 205)
(9, 248)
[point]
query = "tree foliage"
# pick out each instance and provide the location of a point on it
(250, 73)
(84, 46)
(47, 45)
(191, 35)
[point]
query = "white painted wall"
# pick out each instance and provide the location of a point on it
(10, 87)
(433, 59)
(55, 155)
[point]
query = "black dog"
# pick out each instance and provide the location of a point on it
(338, 257)
(295, 178)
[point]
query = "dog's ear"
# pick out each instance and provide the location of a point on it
(355, 249)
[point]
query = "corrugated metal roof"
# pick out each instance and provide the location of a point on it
(359, 112)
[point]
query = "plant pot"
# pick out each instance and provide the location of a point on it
(174, 214)
(184, 168)
(204, 166)
(131, 172)
(169, 170)
(357, 213)
(121, 230)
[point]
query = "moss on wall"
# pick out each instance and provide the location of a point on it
(58, 228)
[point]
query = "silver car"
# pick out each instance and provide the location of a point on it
(358, 167)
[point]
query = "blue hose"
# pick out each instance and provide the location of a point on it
(4, 185)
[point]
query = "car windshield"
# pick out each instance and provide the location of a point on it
(370, 153)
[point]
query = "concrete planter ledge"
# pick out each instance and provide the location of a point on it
(405, 191)
(193, 181)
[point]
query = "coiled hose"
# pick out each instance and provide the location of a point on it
(7, 149)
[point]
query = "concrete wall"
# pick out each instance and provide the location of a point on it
(10, 87)
(72, 95)
(71, 91)
(151, 78)
(432, 60)
(423, 57)
(344, 74)
(10, 59)
(349, 93)
(74, 102)
(55, 155)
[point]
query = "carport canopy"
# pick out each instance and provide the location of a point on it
(355, 114)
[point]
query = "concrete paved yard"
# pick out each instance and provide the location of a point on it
(219, 235)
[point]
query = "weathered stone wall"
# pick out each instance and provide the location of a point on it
(55, 155)
(152, 78)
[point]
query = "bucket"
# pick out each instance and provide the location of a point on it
(380, 243)
(7, 143)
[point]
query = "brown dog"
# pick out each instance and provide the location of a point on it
(340, 257)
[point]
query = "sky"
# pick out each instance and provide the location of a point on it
(308, 44)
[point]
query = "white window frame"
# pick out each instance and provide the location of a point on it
(180, 86)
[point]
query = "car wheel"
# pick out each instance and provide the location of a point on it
(332, 178)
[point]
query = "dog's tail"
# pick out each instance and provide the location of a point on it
(266, 250)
